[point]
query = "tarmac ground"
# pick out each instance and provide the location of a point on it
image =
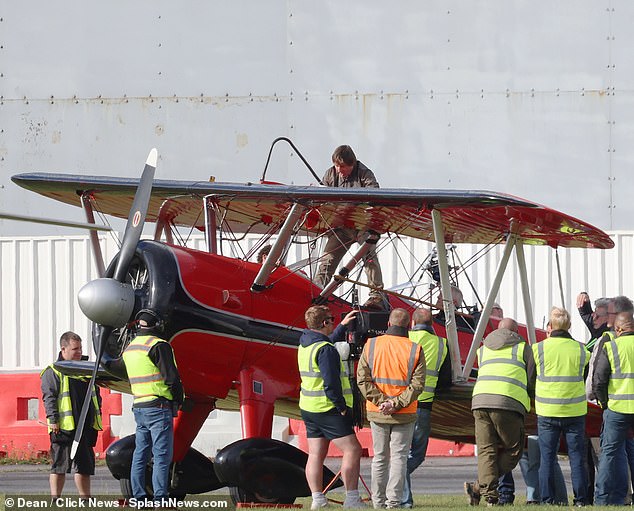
(437, 475)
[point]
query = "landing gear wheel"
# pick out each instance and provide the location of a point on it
(126, 488)
(241, 495)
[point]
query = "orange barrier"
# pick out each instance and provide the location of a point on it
(435, 447)
(23, 432)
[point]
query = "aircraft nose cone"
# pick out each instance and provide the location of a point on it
(107, 302)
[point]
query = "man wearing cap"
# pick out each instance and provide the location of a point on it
(158, 393)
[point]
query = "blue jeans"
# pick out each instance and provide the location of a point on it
(154, 435)
(529, 465)
(417, 451)
(610, 488)
(506, 488)
(550, 431)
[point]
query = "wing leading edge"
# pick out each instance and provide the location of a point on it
(469, 216)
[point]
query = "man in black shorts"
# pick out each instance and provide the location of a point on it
(63, 398)
(326, 404)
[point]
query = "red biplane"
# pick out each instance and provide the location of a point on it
(234, 325)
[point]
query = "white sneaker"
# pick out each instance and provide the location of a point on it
(318, 504)
(354, 503)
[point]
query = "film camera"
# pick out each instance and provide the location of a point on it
(365, 325)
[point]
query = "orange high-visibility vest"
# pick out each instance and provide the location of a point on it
(392, 360)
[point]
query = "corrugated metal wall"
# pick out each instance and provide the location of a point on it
(41, 277)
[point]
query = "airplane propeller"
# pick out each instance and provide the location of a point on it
(109, 302)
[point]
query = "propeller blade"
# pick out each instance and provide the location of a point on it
(133, 230)
(79, 427)
(136, 219)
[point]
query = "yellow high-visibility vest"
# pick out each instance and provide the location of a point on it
(65, 406)
(435, 350)
(146, 380)
(620, 352)
(560, 390)
(312, 396)
(503, 372)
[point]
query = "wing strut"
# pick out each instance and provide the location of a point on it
(528, 308)
(561, 284)
(210, 226)
(445, 286)
(278, 247)
(488, 305)
(94, 237)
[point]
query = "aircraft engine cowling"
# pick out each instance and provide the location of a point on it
(266, 470)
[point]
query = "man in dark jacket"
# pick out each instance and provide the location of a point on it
(348, 172)
(597, 320)
(613, 387)
(325, 403)
(63, 398)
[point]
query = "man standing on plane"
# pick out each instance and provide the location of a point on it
(348, 172)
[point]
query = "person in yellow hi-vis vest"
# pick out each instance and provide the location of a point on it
(560, 405)
(613, 385)
(158, 394)
(391, 376)
(325, 402)
(63, 398)
(506, 374)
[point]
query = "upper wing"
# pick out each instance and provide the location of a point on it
(468, 216)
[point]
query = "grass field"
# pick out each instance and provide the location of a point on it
(436, 502)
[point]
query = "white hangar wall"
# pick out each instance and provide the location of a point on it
(530, 98)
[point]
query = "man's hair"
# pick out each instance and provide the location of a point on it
(601, 303)
(559, 319)
(316, 315)
(399, 317)
(622, 304)
(66, 337)
(264, 251)
(421, 317)
(344, 154)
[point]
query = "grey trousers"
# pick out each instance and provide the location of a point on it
(391, 444)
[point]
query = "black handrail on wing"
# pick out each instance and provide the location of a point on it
(262, 179)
